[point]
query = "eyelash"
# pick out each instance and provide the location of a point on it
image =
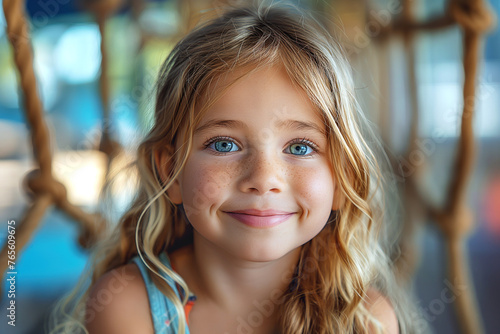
(304, 140)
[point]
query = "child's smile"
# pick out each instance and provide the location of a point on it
(260, 218)
(258, 182)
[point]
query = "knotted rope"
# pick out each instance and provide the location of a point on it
(455, 219)
(46, 190)
(409, 257)
(102, 9)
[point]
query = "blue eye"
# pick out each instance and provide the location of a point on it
(222, 145)
(301, 148)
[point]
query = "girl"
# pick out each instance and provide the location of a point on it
(259, 205)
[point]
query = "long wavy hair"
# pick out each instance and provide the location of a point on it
(347, 258)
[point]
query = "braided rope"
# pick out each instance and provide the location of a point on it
(46, 189)
(455, 219)
(102, 10)
(18, 34)
(406, 263)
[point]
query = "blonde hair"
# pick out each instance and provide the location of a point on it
(339, 265)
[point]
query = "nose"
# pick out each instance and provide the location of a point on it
(262, 173)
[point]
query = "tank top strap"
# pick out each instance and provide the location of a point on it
(163, 311)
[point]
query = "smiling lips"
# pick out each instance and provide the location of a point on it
(262, 219)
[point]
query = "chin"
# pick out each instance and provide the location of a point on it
(262, 253)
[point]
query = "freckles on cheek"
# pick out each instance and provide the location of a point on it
(204, 184)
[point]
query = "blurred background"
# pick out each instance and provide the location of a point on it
(139, 35)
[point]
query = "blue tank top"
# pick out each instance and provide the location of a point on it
(163, 312)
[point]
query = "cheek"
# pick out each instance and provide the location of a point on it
(315, 187)
(204, 185)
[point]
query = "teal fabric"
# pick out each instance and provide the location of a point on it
(163, 312)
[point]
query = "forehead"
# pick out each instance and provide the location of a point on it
(258, 94)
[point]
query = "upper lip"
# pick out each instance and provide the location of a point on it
(255, 212)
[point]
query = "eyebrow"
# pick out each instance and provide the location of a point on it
(300, 125)
(219, 123)
(287, 124)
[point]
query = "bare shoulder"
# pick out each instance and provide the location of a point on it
(382, 310)
(118, 303)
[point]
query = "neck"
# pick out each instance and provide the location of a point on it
(237, 286)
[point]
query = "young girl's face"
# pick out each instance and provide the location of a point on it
(258, 183)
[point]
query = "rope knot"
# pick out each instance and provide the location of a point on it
(38, 183)
(458, 222)
(472, 15)
(102, 7)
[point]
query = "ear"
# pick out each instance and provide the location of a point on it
(164, 162)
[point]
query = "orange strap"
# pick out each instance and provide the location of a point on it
(190, 302)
